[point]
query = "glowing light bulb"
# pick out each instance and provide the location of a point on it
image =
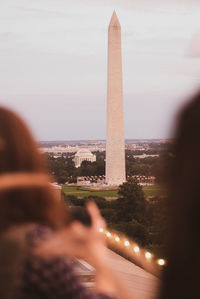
(126, 243)
(161, 262)
(108, 234)
(117, 239)
(101, 230)
(148, 255)
(136, 249)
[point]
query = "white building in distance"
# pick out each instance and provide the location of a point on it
(83, 155)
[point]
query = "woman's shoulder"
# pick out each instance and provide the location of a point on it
(41, 275)
(52, 275)
(37, 233)
(55, 277)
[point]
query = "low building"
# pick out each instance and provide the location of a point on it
(91, 180)
(83, 155)
(145, 156)
(144, 180)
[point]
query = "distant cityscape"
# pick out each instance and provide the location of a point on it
(59, 147)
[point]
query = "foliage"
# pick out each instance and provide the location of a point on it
(73, 200)
(131, 204)
(80, 191)
(143, 221)
(63, 169)
(135, 230)
(110, 215)
(159, 219)
(100, 201)
(60, 168)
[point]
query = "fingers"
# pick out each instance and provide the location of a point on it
(93, 210)
(97, 219)
(78, 229)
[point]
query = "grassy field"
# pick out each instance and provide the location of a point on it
(154, 190)
(84, 192)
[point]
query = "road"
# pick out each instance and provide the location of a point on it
(142, 284)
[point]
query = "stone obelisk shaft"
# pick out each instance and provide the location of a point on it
(115, 147)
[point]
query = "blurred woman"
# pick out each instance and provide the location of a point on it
(37, 242)
(181, 275)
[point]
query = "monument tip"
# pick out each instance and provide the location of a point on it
(114, 22)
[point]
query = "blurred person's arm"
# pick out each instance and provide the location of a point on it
(106, 279)
(86, 242)
(96, 254)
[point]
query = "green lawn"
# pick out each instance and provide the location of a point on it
(84, 192)
(153, 190)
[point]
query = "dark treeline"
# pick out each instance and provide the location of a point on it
(64, 170)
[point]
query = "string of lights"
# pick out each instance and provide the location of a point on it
(142, 257)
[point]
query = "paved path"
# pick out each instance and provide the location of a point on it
(142, 284)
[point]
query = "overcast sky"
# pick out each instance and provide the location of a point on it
(53, 64)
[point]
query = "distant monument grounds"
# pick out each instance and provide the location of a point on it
(115, 173)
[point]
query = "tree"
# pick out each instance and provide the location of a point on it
(62, 176)
(131, 203)
(134, 230)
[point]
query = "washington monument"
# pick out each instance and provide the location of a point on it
(115, 147)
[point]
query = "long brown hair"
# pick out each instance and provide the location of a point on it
(19, 155)
(181, 275)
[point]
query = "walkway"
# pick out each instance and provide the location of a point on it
(142, 284)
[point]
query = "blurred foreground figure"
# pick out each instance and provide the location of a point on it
(181, 276)
(37, 242)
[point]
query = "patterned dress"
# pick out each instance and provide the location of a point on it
(51, 278)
